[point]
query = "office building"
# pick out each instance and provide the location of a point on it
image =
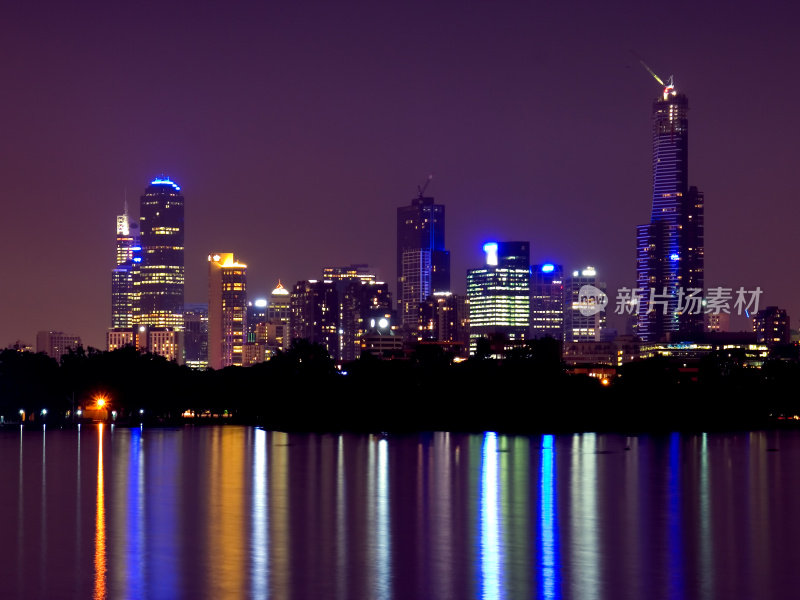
(670, 248)
(445, 319)
(547, 301)
(56, 343)
(279, 308)
(771, 326)
(499, 294)
(161, 272)
(360, 298)
(256, 315)
(164, 341)
(126, 266)
(195, 332)
(584, 295)
(423, 263)
(227, 310)
(315, 313)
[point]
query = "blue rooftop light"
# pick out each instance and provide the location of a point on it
(165, 181)
(674, 256)
(548, 268)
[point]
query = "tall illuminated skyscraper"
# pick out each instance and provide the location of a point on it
(547, 301)
(128, 257)
(499, 293)
(161, 271)
(227, 310)
(423, 264)
(579, 326)
(669, 249)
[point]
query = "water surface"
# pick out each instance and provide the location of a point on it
(236, 512)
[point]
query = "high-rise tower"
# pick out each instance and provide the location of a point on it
(669, 249)
(499, 294)
(128, 257)
(227, 309)
(547, 301)
(423, 264)
(161, 271)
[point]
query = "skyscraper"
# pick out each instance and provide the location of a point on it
(547, 301)
(360, 298)
(161, 271)
(499, 293)
(227, 310)
(669, 249)
(581, 322)
(315, 313)
(128, 257)
(423, 264)
(195, 342)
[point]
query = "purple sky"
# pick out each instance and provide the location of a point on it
(296, 128)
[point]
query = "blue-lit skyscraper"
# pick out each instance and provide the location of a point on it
(547, 301)
(499, 294)
(161, 271)
(128, 257)
(423, 263)
(669, 249)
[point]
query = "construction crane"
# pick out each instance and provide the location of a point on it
(421, 189)
(649, 70)
(670, 85)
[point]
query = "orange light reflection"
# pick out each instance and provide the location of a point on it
(100, 527)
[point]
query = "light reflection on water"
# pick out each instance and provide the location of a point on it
(233, 512)
(100, 523)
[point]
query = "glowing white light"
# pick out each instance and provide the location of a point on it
(491, 253)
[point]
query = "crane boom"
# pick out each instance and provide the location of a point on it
(649, 70)
(421, 189)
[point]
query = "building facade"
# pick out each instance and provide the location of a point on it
(670, 248)
(148, 278)
(423, 263)
(315, 313)
(227, 310)
(771, 326)
(547, 301)
(499, 294)
(445, 318)
(127, 260)
(195, 331)
(56, 343)
(160, 281)
(279, 308)
(583, 293)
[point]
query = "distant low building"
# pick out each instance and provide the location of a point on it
(771, 326)
(56, 343)
(165, 341)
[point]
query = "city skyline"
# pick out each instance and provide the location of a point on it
(313, 122)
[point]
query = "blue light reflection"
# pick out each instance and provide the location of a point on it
(490, 549)
(549, 583)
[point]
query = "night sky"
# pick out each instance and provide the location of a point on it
(296, 129)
